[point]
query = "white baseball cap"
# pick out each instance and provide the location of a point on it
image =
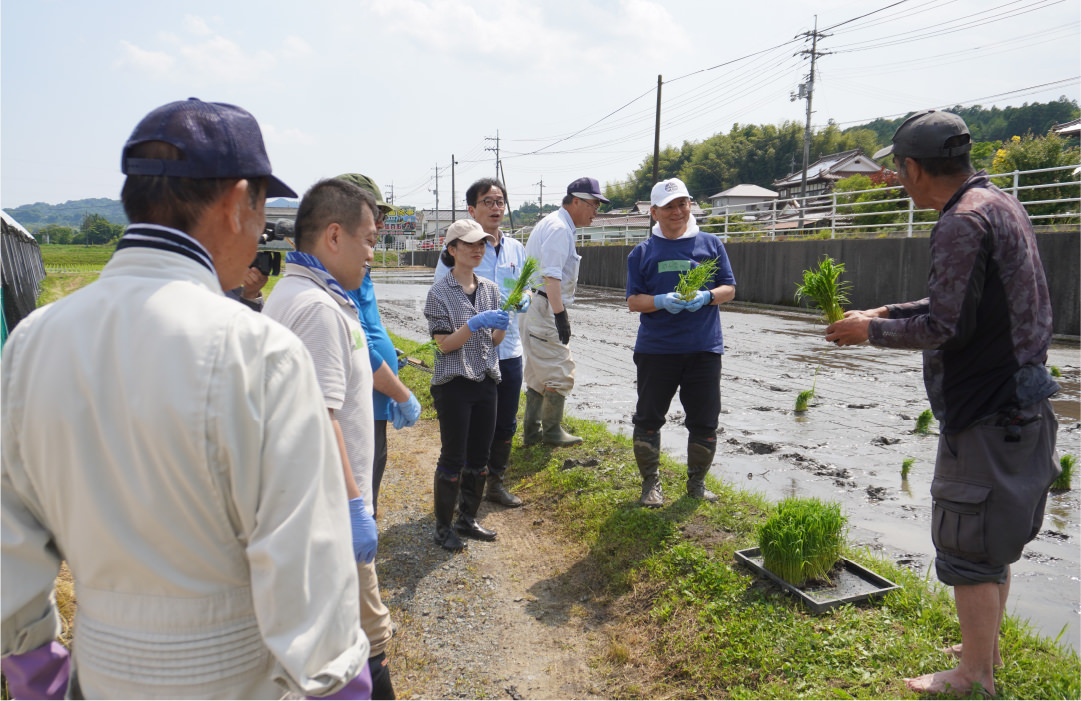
(667, 190)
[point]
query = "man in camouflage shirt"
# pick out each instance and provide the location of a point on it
(984, 331)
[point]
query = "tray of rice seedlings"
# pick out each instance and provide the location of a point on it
(800, 551)
(526, 280)
(825, 290)
(692, 280)
(1062, 483)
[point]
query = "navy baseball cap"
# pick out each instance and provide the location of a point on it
(217, 141)
(924, 135)
(586, 189)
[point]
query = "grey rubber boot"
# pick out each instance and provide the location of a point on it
(551, 416)
(531, 422)
(700, 453)
(446, 496)
(469, 503)
(647, 453)
(497, 467)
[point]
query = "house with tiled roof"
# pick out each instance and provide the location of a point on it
(825, 172)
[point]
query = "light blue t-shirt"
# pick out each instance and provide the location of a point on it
(503, 269)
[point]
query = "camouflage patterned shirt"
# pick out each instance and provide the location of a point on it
(986, 325)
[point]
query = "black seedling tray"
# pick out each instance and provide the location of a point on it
(851, 583)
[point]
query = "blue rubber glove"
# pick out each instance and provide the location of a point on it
(365, 535)
(671, 302)
(523, 306)
(491, 319)
(701, 299)
(405, 414)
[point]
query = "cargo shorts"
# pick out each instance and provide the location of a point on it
(989, 492)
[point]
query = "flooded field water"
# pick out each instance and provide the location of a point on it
(848, 446)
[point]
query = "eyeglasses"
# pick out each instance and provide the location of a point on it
(593, 204)
(490, 203)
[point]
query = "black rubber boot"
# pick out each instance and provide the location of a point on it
(700, 451)
(497, 467)
(531, 421)
(382, 688)
(647, 453)
(446, 496)
(551, 416)
(469, 503)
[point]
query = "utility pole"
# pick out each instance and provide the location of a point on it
(656, 149)
(390, 196)
(496, 149)
(540, 210)
(503, 180)
(806, 92)
(453, 192)
(436, 191)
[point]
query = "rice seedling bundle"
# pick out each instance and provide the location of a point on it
(824, 288)
(1062, 484)
(803, 540)
(690, 281)
(526, 280)
(906, 465)
(923, 422)
(806, 395)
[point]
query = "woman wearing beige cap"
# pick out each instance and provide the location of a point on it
(467, 324)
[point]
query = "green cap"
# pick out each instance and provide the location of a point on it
(366, 183)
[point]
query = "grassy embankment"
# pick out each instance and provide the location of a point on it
(688, 622)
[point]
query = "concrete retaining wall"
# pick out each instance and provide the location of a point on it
(881, 270)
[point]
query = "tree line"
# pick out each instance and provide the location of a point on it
(761, 154)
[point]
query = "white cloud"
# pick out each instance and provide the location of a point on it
(286, 137)
(156, 63)
(197, 26)
(294, 47)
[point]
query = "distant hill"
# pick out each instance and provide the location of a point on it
(282, 202)
(71, 213)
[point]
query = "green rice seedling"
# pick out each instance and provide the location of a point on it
(906, 465)
(805, 396)
(690, 281)
(526, 280)
(823, 287)
(1055, 372)
(1062, 484)
(923, 422)
(803, 540)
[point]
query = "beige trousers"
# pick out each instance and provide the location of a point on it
(374, 616)
(548, 363)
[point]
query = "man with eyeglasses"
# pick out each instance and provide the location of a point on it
(679, 344)
(546, 327)
(502, 264)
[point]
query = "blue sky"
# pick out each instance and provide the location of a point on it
(393, 88)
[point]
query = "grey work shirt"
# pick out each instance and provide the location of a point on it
(986, 325)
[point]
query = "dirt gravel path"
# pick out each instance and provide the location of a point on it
(514, 618)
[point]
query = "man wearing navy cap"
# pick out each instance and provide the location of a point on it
(546, 327)
(984, 330)
(172, 448)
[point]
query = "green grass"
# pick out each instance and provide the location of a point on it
(1064, 481)
(906, 465)
(923, 422)
(691, 623)
(76, 258)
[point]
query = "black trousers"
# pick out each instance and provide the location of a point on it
(697, 376)
(466, 411)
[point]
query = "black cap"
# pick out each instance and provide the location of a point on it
(924, 135)
(217, 140)
(586, 189)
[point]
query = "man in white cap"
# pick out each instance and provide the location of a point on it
(171, 447)
(984, 330)
(546, 327)
(679, 345)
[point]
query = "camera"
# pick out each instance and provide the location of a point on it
(269, 261)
